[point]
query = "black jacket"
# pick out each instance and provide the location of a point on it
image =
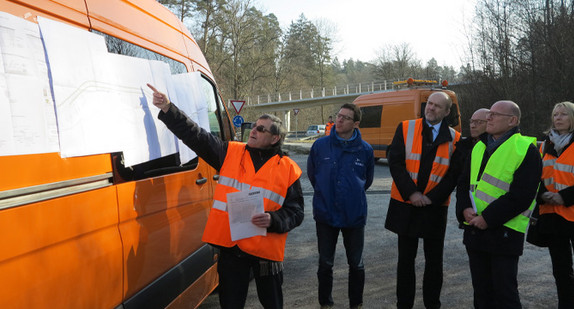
(465, 145)
(497, 238)
(213, 150)
(428, 221)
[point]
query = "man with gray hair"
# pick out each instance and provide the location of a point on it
(495, 195)
(259, 165)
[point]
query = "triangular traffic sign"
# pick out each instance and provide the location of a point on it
(237, 105)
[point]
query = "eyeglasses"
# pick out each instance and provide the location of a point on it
(260, 128)
(476, 121)
(345, 117)
(492, 114)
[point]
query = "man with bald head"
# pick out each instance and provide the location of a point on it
(419, 159)
(477, 128)
(478, 124)
(495, 195)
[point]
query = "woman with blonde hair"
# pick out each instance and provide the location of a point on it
(556, 199)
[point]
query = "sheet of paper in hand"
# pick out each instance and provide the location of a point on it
(242, 206)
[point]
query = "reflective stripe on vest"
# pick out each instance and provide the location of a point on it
(234, 183)
(498, 175)
(413, 139)
(558, 174)
(238, 173)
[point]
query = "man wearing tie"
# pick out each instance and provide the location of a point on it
(424, 175)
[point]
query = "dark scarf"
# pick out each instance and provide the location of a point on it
(493, 144)
(260, 156)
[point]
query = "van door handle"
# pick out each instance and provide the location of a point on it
(216, 177)
(201, 181)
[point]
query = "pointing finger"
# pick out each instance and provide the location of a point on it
(152, 88)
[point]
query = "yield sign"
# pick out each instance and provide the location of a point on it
(295, 111)
(237, 105)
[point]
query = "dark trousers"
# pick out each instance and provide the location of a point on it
(494, 279)
(234, 275)
(433, 274)
(353, 239)
(560, 248)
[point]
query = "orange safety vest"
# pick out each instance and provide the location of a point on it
(558, 174)
(238, 173)
(413, 137)
(328, 127)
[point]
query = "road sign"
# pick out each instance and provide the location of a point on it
(237, 121)
(237, 105)
(295, 111)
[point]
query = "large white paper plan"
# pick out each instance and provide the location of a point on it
(102, 98)
(102, 101)
(191, 99)
(241, 206)
(27, 116)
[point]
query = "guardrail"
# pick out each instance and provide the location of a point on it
(320, 92)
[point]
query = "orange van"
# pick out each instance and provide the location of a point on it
(87, 231)
(383, 111)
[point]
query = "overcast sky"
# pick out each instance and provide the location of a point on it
(431, 28)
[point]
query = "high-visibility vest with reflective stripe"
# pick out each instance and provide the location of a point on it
(413, 138)
(558, 174)
(498, 175)
(328, 128)
(237, 174)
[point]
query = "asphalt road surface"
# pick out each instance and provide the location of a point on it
(536, 284)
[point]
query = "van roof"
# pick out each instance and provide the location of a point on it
(393, 96)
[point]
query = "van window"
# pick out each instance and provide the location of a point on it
(121, 47)
(164, 165)
(213, 106)
(371, 116)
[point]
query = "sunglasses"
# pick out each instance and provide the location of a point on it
(260, 128)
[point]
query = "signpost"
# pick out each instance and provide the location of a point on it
(296, 111)
(237, 121)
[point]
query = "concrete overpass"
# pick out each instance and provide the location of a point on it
(335, 95)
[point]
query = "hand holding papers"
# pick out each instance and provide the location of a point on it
(242, 206)
(472, 201)
(469, 215)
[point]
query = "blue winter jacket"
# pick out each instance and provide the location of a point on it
(340, 172)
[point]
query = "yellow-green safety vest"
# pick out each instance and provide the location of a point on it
(498, 175)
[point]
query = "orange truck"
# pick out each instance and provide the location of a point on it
(383, 111)
(89, 232)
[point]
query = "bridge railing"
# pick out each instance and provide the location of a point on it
(318, 92)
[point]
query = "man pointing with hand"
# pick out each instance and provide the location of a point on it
(259, 164)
